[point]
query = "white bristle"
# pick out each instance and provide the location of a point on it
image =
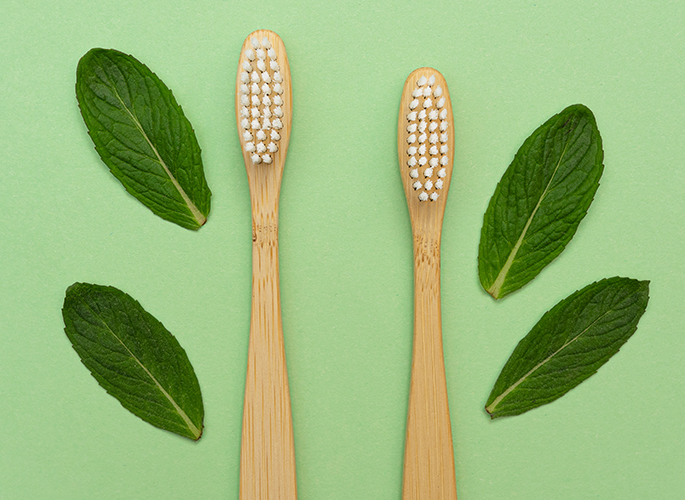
(255, 125)
(261, 65)
(422, 161)
(272, 54)
(261, 135)
(443, 114)
(442, 173)
(275, 136)
(414, 104)
(444, 149)
(443, 138)
(434, 138)
(428, 173)
(427, 103)
(244, 89)
(247, 66)
(433, 162)
(256, 158)
(266, 100)
(411, 139)
(244, 77)
(443, 126)
(254, 100)
(440, 103)
(266, 124)
(422, 114)
(422, 81)
(431, 81)
(247, 136)
(245, 123)
(249, 53)
(255, 113)
(411, 151)
(438, 91)
(438, 184)
(278, 101)
(412, 161)
(444, 161)
(422, 138)
(266, 89)
(249, 147)
(254, 76)
(422, 149)
(254, 88)
(245, 112)
(261, 148)
(266, 159)
(433, 115)
(417, 185)
(434, 196)
(266, 113)
(432, 126)
(411, 128)
(422, 126)
(428, 185)
(277, 124)
(278, 88)
(423, 196)
(411, 116)
(427, 92)
(433, 150)
(278, 112)
(265, 43)
(261, 54)
(414, 174)
(277, 77)
(417, 93)
(254, 42)
(273, 147)
(274, 66)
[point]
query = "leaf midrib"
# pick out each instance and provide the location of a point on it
(199, 217)
(496, 287)
(191, 426)
(491, 407)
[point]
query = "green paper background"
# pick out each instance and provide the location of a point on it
(346, 256)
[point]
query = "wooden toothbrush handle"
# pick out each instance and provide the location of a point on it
(267, 456)
(428, 455)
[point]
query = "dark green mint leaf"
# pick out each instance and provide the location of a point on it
(134, 358)
(540, 200)
(568, 345)
(142, 135)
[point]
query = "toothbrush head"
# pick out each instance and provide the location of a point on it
(425, 138)
(264, 100)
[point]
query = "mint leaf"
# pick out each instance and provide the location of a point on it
(568, 345)
(142, 135)
(134, 358)
(541, 199)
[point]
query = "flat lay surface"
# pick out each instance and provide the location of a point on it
(346, 263)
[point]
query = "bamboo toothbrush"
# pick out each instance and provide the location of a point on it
(425, 143)
(264, 116)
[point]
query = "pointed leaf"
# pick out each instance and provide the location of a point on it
(142, 135)
(568, 345)
(134, 358)
(541, 199)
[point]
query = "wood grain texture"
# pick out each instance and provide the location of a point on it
(429, 458)
(267, 458)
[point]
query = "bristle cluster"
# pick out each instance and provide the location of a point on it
(427, 139)
(261, 101)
